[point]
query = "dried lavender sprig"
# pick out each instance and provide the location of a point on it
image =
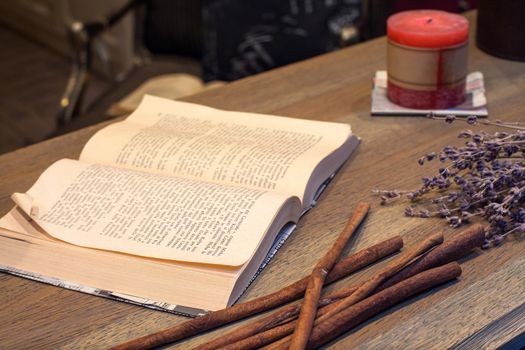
(472, 119)
(484, 178)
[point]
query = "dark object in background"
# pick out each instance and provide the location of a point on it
(380, 10)
(245, 37)
(174, 27)
(501, 28)
(443, 5)
(237, 38)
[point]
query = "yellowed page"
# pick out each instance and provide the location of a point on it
(184, 284)
(193, 141)
(152, 215)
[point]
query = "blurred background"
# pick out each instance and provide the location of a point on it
(67, 64)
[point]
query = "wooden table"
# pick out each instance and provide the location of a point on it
(484, 308)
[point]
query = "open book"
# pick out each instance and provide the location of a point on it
(174, 208)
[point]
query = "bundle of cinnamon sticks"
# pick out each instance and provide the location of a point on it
(318, 319)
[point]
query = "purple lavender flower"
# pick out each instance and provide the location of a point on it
(465, 134)
(454, 221)
(477, 138)
(497, 239)
(484, 178)
(464, 206)
(452, 196)
(431, 156)
(444, 212)
(518, 216)
(409, 211)
(424, 213)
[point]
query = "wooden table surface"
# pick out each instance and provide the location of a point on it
(484, 308)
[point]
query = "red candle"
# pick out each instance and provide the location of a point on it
(427, 59)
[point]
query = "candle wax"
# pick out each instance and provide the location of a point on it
(427, 29)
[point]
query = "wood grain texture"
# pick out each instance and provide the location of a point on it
(484, 302)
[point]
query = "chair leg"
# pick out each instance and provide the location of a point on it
(72, 97)
(81, 36)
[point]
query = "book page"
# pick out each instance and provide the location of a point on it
(152, 215)
(192, 141)
(109, 274)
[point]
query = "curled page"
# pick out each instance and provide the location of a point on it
(150, 215)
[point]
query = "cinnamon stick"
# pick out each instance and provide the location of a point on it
(453, 249)
(317, 279)
(268, 329)
(264, 337)
(371, 306)
(291, 292)
(371, 284)
(350, 264)
(258, 340)
(256, 337)
(350, 317)
(320, 273)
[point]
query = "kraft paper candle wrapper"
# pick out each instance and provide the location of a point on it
(425, 69)
(475, 102)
